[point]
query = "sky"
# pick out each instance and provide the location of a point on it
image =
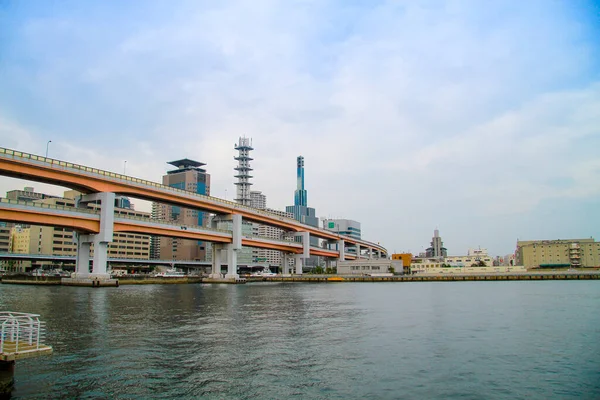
(478, 118)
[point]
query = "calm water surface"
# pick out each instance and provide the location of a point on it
(463, 340)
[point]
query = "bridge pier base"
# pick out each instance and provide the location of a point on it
(298, 263)
(233, 247)
(285, 263)
(100, 240)
(231, 262)
(216, 261)
(82, 260)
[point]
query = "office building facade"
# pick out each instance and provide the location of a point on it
(189, 176)
(346, 227)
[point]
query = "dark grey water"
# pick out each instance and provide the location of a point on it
(467, 340)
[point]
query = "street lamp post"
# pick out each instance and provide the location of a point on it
(47, 144)
(124, 167)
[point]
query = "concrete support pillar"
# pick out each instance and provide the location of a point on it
(298, 263)
(234, 247)
(305, 244)
(100, 240)
(285, 264)
(342, 250)
(370, 253)
(231, 262)
(105, 236)
(216, 261)
(82, 268)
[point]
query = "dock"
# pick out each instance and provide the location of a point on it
(21, 336)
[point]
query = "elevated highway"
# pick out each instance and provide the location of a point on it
(32, 167)
(101, 185)
(88, 221)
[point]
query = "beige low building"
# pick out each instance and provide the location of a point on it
(371, 266)
(436, 266)
(561, 253)
(437, 270)
(474, 256)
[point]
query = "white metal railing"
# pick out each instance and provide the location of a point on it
(21, 332)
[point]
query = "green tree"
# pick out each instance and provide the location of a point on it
(318, 270)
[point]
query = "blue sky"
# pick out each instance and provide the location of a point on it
(479, 118)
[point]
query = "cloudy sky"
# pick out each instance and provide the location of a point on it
(480, 118)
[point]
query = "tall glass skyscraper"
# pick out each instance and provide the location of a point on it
(300, 194)
(300, 209)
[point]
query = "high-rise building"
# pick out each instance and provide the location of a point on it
(301, 211)
(191, 177)
(243, 169)
(300, 196)
(437, 248)
(258, 200)
(558, 253)
(346, 227)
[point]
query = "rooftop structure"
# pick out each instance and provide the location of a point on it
(186, 164)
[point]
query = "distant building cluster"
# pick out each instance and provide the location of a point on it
(531, 254)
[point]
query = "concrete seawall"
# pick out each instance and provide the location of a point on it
(309, 278)
(31, 280)
(436, 278)
(126, 280)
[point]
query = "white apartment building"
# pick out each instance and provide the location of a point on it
(474, 256)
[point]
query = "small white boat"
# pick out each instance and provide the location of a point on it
(264, 272)
(170, 273)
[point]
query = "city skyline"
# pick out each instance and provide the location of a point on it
(480, 120)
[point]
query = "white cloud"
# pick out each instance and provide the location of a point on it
(409, 114)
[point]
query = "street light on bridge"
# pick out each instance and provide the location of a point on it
(47, 144)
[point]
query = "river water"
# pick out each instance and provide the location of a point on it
(425, 340)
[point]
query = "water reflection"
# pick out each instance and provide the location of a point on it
(276, 340)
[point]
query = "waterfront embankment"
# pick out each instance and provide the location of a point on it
(524, 276)
(311, 278)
